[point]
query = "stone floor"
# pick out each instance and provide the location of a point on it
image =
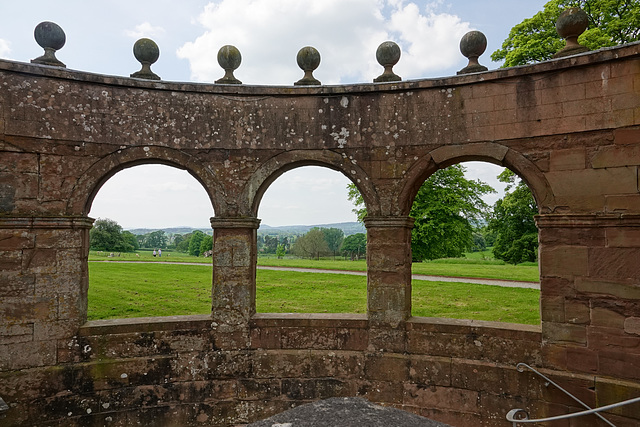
(345, 412)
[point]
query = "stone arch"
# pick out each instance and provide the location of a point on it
(260, 181)
(497, 154)
(91, 180)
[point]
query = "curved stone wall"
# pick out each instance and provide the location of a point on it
(568, 127)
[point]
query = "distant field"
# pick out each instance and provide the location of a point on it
(118, 290)
(475, 264)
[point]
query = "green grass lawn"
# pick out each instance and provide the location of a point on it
(475, 264)
(457, 267)
(118, 290)
(147, 256)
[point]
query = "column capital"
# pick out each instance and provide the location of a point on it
(70, 222)
(388, 222)
(234, 222)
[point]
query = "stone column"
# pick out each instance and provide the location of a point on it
(388, 280)
(589, 293)
(43, 288)
(234, 278)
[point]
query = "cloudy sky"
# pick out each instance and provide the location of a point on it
(268, 33)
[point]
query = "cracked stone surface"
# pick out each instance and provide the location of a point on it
(346, 412)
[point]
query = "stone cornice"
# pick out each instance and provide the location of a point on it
(245, 90)
(587, 221)
(13, 222)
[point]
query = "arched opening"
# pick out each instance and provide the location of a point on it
(308, 235)
(475, 246)
(148, 243)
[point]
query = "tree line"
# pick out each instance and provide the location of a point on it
(107, 235)
(451, 217)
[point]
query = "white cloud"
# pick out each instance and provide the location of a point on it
(144, 30)
(5, 48)
(269, 34)
(430, 41)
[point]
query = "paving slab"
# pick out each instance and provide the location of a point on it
(346, 412)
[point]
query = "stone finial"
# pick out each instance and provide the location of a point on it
(308, 60)
(146, 52)
(229, 59)
(388, 55)
(570, 24)
(472, 46)
(50, 37)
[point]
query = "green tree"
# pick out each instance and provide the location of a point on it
(183, 244)
(195, 241)
(611, 22)
(354, 196)
(106, 235)
(131, 240)
(206, 244)
(513, 222)
(156, 239)
(281, 251)
(354, 246)
(311, 245)
(270, 244)
(334, 238)
(446, 209)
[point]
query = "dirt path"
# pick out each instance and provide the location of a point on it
(491, 282)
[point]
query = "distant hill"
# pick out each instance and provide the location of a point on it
(348, 228)
(172, 230)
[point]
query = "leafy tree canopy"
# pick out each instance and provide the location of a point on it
(355, 245)
(311, 245)
(513, 222)
(334, 238)
(446, 209)
(611, 22)
(107, 235)
(194, 243)
(206, 244)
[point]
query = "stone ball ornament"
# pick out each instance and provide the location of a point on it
(229, 58)
(388, 55)
(51, 37)
(570, 25)
(147, 52)
(472, 46)
(308, 60)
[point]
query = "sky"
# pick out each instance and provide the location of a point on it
(100, 37)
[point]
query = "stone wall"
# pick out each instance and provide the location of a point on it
(570, 128)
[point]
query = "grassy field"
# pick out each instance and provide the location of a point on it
(147, 256)
(473, 265)
(476, 264)
(118, 290)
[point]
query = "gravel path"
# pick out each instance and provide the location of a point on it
(491, 282)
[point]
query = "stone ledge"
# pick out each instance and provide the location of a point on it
(587, 220)
(145, 324)
(442, 324)
(246, 91)
(332, 320)
(74, 222)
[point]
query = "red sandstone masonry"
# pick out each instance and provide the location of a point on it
(569, 127)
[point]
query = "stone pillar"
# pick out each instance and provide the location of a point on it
(234, 278)
(589, 278)
(43, 288)
(388, 280)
